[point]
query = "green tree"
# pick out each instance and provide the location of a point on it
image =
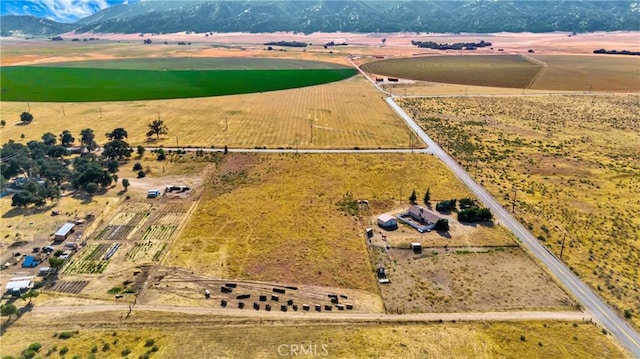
(413, 197)
(161, 155)
(157, 127)
(116, 149)
(22, 199)
(112, 166)
(442, 225)
(3, 123)
(8, 310)
(26, 117)
(88, 139)
(140, 150)
(66, 138)
(427, 196)
(141, 174)
(56, 263)
(91, 187)
(117, 134)
(87, 169)
(29, 295)
(137, 166)
(125, 183)
(16, 159)
(49, 139)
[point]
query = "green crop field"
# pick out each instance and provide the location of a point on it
(67, 84)
(490, 70)
(201, 63)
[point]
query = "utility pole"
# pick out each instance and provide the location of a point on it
(158, 115)
(100, 111)
(62, 106)
(226, 123)
(476, 168)
(28, 107)
(177, 144)
(562, 247)
(513, 203)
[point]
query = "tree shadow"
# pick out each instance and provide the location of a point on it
(17, 211)
(444, 234)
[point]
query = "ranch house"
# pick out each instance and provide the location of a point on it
(423, 215)
(387, 221)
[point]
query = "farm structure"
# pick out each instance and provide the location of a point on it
(387, 221)
(30, 262)
(64, 231)
(423, 215)
(19, 285)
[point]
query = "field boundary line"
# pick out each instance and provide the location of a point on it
(539, 73)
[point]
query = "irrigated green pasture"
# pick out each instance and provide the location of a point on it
(200, 63)
(488, 70)
(60, 84)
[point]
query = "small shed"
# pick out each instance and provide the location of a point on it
(44, 271)
(64, 231)
(387, 221)
(30, 262)
(416, 247)
(153, 193)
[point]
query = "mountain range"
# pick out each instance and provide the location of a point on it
(360, 16)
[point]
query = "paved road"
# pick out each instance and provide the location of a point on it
(600, 311)
(323, 316)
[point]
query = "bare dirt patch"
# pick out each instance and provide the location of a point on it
(474, 279)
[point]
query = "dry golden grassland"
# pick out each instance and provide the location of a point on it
(343, 114)
(573, 162)
(528, 339)
(274, 217)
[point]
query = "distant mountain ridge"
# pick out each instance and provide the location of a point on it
(360, 16)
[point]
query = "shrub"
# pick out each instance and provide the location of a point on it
(141, 174)
(63, 350)
(28, 354)
(149, 342)
(65, 335)
(35, 346)
(523, 338)
(114, 290)
(94, 349)
(154, 349)
(125, 352)
(628, 313)
(137, 166)
(106, 347)
(91, 187)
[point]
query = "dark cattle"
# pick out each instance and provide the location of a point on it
(318, 308)
(327, 307)
(225, 290)
(340, 307)
(241, 305)
(256, 306)
(292, 288)
(349, 306)
(305, 307)
(279, 290)
(334, 300)
(283, 308)
(295, 307)
(267, 307)
(290, 302)
(244, 296)
(275, 298)
(230, 285)
(343, 296)
(263, 298)
(223, 303)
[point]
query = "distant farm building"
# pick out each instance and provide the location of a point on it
(387, 221)
(63, 232)
(423, 215)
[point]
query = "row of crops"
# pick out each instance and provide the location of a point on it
(146, 250)
(94, 259)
